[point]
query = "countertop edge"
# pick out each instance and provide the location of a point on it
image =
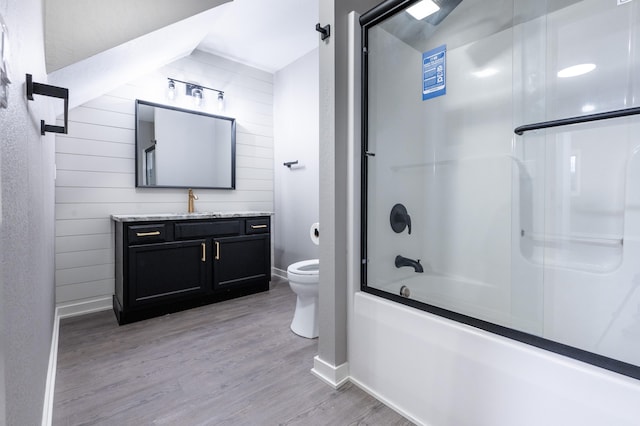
(142, 217)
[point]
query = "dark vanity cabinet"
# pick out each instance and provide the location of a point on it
(170, 265)
(164, 270)
(243, 258)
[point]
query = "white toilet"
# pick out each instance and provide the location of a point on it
(303, 279)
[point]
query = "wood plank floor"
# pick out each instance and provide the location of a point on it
(231, 363)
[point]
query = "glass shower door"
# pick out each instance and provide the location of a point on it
(572, 279)
(530, 232)
(439, 140)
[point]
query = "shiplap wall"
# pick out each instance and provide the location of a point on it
(96, 170)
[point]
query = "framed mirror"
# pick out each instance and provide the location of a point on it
(180, 148)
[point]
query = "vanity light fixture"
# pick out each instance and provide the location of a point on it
(423, 9)
(194, 90)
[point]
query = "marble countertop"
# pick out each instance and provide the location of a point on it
(142, 217)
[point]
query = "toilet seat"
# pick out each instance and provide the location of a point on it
(305, 271)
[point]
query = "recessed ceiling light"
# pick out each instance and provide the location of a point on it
(487, 72)
(423, 9)
(576, 70)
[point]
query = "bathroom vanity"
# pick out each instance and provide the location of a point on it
(167, 263)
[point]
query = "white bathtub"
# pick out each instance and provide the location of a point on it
(469, 297)
(439, 372)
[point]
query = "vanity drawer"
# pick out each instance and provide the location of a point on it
(142, 234)
(207, 229)
(258, 225)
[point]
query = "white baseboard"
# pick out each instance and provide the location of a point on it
(49, 390)
(331, 375)
(386, 402)
(279, 273)
(83, 307)
(65, 310)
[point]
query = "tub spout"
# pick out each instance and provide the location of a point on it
(403, 261)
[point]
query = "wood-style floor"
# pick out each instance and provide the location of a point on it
(231, 363)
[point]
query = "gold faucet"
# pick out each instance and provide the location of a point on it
(192, 197)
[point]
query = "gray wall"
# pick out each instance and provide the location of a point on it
(296, 138)
(332, 346)
(27, 227)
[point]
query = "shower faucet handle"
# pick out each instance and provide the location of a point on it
(400, 219)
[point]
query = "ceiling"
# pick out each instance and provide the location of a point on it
(267, 34)
(76, 30)
(94, 53)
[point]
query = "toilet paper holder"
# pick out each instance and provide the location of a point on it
(314, 233)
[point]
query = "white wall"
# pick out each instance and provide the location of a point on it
(26, 223)
(296, 139)
(96, 170)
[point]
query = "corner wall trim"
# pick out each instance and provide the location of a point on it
(279, 273)
(83, 307)
(65, 311)
(49, 390)
(334, 376)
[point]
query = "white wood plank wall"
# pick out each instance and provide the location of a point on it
(95, 167)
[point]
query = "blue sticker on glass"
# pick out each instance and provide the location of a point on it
(434, 72)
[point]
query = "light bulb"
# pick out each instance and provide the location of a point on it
(197, 96)
(171, 91)
(220, 101)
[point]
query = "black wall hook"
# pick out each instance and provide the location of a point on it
(34, 88)
(324, 31)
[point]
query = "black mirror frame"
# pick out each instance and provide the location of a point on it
(189, 111)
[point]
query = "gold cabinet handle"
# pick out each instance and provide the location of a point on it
(258, 226)
(147, 234)
(204, 252)
(217, 250)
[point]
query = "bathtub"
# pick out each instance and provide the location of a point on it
(440, 372)
(459, 294)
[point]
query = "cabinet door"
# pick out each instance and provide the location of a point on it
(241, 260)
(167, 270)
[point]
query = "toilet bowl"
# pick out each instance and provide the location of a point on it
(303, 279)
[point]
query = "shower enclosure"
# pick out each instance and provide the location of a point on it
(508, 133)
